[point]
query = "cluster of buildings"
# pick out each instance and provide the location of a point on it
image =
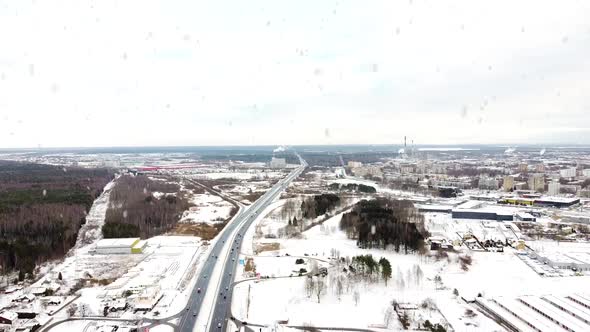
(568, 175)
(23, 311)
(357, 169)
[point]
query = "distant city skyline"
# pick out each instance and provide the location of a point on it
(186, 73)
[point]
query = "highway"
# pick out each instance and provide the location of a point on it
(228, 256)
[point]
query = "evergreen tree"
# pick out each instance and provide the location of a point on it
(385, 269)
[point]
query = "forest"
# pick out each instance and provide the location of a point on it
(259, 157)
(353, 187)
(383, 223)
(318, 205)
(42, 207)
(134, 210)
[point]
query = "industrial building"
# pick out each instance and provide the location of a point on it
(482, 214)
(558, 202)
(524, 216)
(577, 261)
(435, 208)
(120, 246)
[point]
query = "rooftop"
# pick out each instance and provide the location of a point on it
(120, 242)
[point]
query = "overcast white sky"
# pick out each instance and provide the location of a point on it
(129, 73)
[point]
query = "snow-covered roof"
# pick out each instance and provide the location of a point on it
(434, 207)
(9, 315)
(38, 290)
(568, 200)
(12, 289)
(471, 204)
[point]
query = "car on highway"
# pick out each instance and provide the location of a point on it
(218, 325)
(199, 290)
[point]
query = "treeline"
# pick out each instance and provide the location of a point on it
(381, 223)
(134, 211)
(41, 210)
(368, 267)
(353, 187)
(259, 157)
(317, 205)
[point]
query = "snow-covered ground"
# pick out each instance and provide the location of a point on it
(159, 276)
(253, 174)
(166, 267)
(491, 274)
(207, 208)
(442, 225)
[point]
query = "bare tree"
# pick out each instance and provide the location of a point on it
(339, 287)
(388, 316)
(418, 274)
(400, 279)
(356, 297)
(320, 287)
(309, 286)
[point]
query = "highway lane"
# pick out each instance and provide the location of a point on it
(223, 303)
(234, 232)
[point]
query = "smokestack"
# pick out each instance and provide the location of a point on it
(405, 141)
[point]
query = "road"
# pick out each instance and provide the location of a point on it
(228, 256)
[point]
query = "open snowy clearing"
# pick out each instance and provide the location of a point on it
(208, 209)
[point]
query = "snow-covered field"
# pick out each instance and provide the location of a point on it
(239, 175)
(491, 274)
(208, 209)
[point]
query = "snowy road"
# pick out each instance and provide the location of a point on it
(210, 308)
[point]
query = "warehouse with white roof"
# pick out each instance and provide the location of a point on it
(133, 245)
